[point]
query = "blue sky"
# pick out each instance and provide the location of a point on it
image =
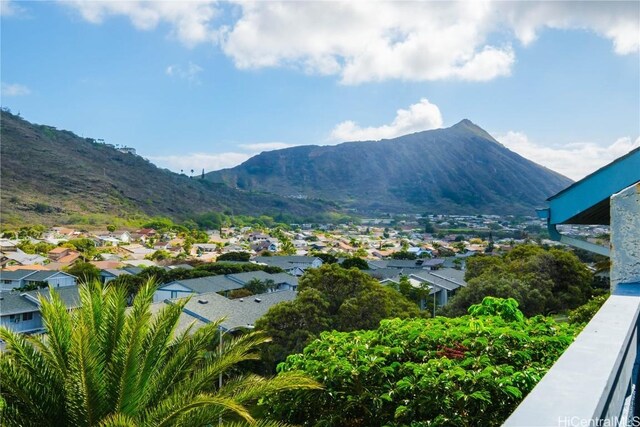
(195, 85)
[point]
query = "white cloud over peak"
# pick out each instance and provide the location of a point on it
(189, 72)
(418, 117)
(575, 160)
(14, 89)
(375, 41)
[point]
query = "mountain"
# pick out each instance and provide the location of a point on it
(54, 176)
(461, 169)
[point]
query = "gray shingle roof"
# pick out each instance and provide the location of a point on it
(207, 284)
(41, 276)
(15, 275)
(240, 313)
(25, 302)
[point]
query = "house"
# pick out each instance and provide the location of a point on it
(257, 237)
(13, 279)
(55, 279)
(223, 284)
(238, 314)
(20, 258)
(109, 274)
(137, 252)
(21, 311)
(444, 283)
(205, 247)
(200, 285)
(63, 256)
(294, 265)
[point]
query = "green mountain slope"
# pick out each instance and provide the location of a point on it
(50, 176)
(461, 169)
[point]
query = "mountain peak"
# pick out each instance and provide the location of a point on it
(469, 126)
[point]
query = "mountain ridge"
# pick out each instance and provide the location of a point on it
(52, 176)
(460, 169)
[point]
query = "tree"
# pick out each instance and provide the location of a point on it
(235, 256)
(355, 262)
(111, 228)
(403, 255)
(84, 271)
(329, 297)
(543, 281)
(466, 371)
(103, 364)
(326, 258)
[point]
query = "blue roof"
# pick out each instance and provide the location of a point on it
(587, 201)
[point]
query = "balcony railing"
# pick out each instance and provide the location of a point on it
(593, 383)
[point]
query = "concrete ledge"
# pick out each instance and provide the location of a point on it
(590, 381)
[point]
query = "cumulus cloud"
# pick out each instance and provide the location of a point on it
(14, 89)
(9, 8)
(418, 117)
(375, 41)
(191, 22)
(214, 161)
(189, 72)
(574, 160)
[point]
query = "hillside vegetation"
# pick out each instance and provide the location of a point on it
(54, 176)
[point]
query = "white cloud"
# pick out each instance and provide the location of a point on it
(9, 8)
(421, 116)
(575, 160)
(14, 89)
(191, 22)
(214, 161)
(189, 73)
(375, 41)
(264, 146)
(199, 161)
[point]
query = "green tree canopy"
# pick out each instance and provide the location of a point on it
(235, 256)
(105, 365)
(466, 371)
(542, 280)
(330, 297)
(356, 262)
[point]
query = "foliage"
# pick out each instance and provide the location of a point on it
(159, 255)
(542, 280)
(466, 371)
(84, 271)
(356, 262)
(105, 365)
(329, 297)
(586, 311)
(41, 248)
(235, 256)
(257, 286)
(403, 255)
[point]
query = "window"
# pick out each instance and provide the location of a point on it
(27, 316)
(8, 282)
(174, 294)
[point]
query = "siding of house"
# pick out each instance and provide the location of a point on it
(16, 322)
(173, 290)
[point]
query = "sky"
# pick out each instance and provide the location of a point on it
(206, 85)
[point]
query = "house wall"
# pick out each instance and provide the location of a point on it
(625, 236)
(165, 292)
(7, 285)
(61, 280)
(17, 324)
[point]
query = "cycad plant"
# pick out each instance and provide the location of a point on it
(108, 365)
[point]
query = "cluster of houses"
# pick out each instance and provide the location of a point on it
(24, 278)
(21, 289)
